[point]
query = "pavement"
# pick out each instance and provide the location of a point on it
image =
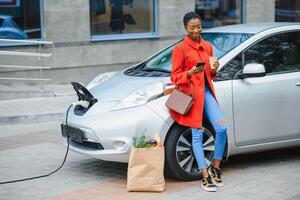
(31, 145)
(31, 104)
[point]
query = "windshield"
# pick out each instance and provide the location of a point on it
(222, 43)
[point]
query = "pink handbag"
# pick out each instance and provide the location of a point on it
(180, 102)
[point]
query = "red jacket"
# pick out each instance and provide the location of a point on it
(180, 66)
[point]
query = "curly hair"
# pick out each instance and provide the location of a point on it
(190, 15)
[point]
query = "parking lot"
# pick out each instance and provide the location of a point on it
(34, 149)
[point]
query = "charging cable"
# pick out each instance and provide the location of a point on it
(42, 176)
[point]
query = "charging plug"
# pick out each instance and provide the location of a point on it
(82, 103)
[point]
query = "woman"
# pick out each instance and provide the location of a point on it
(198, 82)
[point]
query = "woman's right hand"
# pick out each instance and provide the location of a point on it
(195, 70)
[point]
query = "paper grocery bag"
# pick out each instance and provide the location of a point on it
(146, 169)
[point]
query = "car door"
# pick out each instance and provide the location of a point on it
(267, 109)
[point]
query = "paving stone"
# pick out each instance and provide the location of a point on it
(271, 175)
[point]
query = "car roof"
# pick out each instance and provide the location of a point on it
(252, 28)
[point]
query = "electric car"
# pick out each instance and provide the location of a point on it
(258, 90)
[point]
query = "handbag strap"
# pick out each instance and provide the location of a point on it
(190, 82)
(183, 51)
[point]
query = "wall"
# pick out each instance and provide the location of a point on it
(75, 57)
(258, 11)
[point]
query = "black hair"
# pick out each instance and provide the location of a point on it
(190, 15)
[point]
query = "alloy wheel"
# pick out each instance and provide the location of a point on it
(184, 151)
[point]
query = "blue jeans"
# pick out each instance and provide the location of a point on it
(215, 117)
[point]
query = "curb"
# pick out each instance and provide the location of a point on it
(31, 118)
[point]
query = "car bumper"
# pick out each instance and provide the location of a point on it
(108, 135)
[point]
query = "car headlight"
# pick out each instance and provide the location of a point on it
(141, 96)
(100, 79)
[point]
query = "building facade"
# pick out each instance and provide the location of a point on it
(94, 36)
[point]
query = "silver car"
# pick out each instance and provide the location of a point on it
(258, 89)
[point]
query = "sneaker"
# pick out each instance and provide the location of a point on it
(208, 185)
(216, 176)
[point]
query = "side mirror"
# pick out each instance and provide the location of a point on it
(253, 70)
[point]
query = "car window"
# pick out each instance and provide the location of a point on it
(278, 53)
(228, 71)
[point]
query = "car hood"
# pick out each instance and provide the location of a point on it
(120, 86)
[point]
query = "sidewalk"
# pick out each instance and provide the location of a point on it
(27, 104)
(31, 91)
(36, 149)
(29, 149)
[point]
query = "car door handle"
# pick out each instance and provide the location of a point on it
(298, 84)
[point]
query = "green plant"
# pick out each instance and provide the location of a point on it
(139, 141)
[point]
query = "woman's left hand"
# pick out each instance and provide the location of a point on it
(215, 67)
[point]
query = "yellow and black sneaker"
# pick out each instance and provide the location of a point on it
(216, 176)
(208, 185)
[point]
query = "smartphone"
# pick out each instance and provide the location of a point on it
(200, 64)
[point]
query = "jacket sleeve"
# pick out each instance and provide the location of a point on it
(178, 76)
(210, 53)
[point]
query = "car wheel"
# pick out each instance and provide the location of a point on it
(180, 160)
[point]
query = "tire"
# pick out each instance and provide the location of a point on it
(180, 161)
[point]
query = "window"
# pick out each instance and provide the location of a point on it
(162, 60)
(21, 19)
(279, 53)
(229, 71)
(224, 42)
(287, 10)
(219, 12)
(122, 19)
